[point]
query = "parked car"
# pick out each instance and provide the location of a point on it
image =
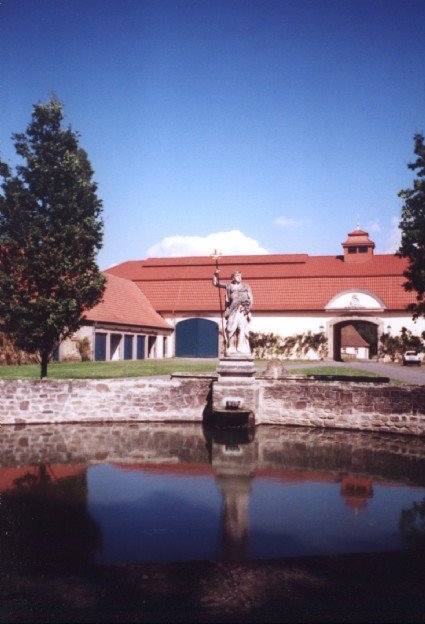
(411, 357)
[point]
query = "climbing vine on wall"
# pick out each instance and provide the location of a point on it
(266, 345)
(394, 346)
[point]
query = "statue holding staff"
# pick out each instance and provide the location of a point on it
(237, 313)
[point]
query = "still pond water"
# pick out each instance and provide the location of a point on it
(81, 494)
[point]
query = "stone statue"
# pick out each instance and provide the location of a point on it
(239, 302)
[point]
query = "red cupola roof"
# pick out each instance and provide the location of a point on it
(358, 247)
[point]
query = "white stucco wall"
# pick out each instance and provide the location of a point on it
(290, 323)
(68, 348)
(287, 324)
(397, 321)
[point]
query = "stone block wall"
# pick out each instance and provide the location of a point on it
(133, 399)
(286, 401)
(343, 405)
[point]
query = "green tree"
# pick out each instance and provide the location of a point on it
(390, 345)
(369, 333)
(50, 231)
(412, 226)
(411, 341)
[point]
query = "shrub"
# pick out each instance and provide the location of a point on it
(394, 346)
(10, 355)
(265, 345)
(299, 345)
(84, 349)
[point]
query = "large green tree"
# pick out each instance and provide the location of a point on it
(412, 226)
(50, 231)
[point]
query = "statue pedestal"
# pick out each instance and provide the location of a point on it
(238, 368)
(236, 392)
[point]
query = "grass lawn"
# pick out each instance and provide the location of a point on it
(146, 368)
(338, 371)
(108, 370)
(333, 370)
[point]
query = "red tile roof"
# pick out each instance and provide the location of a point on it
(124, 303)
(9, 476)
(358, 237)
(285, 282)
(350, 337)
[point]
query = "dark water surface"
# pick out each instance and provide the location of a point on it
(73, 495)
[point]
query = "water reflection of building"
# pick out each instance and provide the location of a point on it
(352, 463)
(356, 491)
(44, 519)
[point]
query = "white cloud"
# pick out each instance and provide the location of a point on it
(227, 243)
(394, 238)
(288, 222)
(373, 226)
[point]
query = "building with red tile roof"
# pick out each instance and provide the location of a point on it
(293, 293)
(124, 325)
(171, 306)
(353, 345)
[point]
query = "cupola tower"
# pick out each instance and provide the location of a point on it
(358, 247)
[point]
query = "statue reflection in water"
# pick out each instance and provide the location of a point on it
(234, 456)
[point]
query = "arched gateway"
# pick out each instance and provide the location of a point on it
(355, 339)
(356, 326)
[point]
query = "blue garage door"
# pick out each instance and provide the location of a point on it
(197, 338)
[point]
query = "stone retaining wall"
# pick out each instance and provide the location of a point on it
(286, 401)
(343, 405)
(131, 399)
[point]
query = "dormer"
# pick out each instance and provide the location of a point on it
(358, 247)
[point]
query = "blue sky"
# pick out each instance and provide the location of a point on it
(245, 125)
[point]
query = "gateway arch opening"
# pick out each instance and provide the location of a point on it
(355, 340)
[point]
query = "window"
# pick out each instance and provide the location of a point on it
(140, 354)
(99, 347)
(151, 346)
(128, 347)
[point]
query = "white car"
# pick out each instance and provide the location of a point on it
(411, 357)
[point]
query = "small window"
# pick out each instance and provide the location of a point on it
(363, 249)
(352, 250)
